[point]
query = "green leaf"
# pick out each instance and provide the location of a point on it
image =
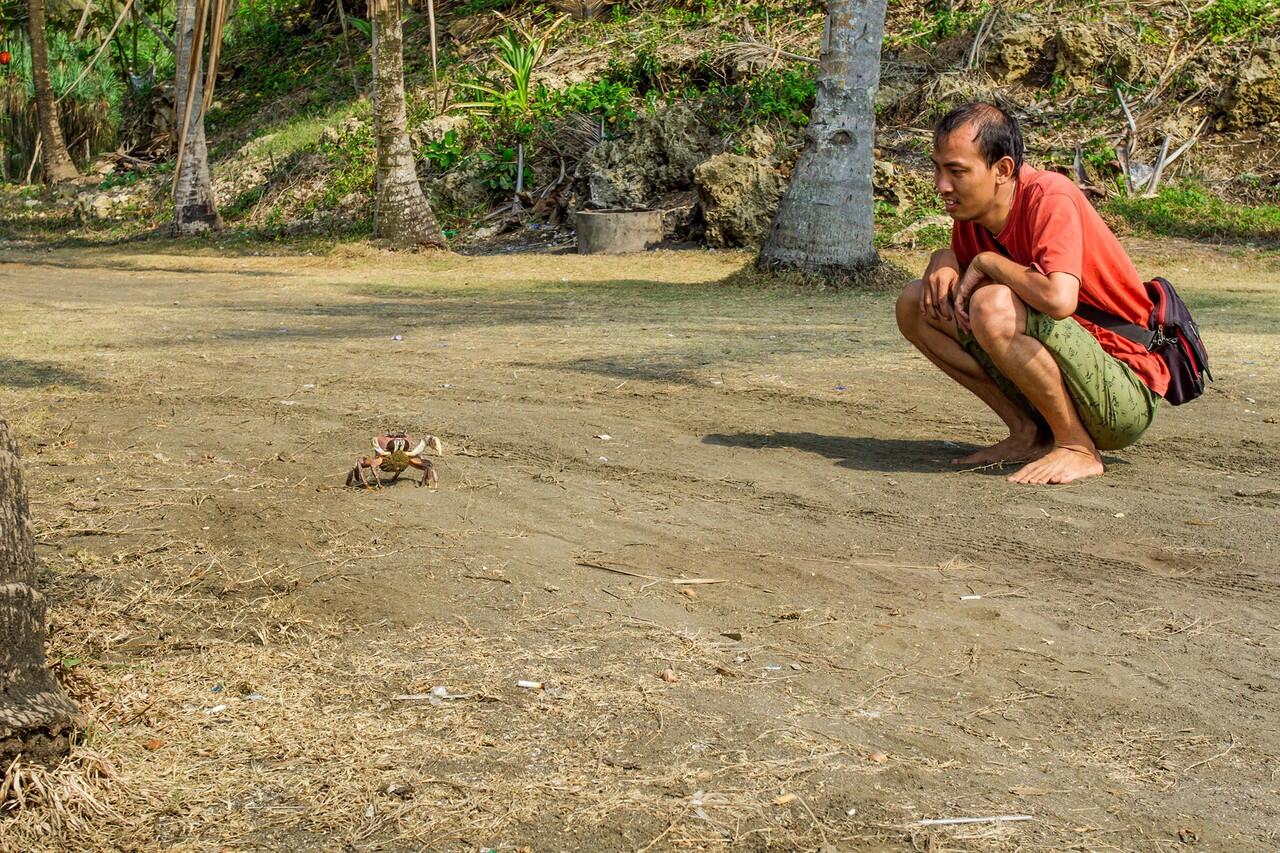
(363, 26)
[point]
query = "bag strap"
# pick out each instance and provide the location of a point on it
(1120, 326)
(1097, 316)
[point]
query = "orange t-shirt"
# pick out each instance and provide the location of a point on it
(1053, 228)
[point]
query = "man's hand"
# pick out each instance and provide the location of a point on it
(975, 276)
(939, 284)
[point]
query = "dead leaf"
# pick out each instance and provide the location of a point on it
(1187, 835)
(784, 799)
(1028, 792)
(878, 757)
(688, 593)
(669, 675)
(153, 744)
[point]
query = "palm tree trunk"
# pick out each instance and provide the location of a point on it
(37, 718)
(58, 166)
(825, 224)
(195, 210)
(401, 211)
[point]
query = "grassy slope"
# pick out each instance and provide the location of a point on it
(288, 78)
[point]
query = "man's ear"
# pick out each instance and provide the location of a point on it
(1004, 169)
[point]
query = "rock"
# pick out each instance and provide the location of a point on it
(1035, 53)
(434, 129)
(1079, 54)
(911, 235)
(657, 156)
(462, 189)
(890, 93)
(1252, 97)
(758, 143)
(94, 205)
(739, 197)
(1014, 52)
(886, 184)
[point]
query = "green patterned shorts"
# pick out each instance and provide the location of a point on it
(1115, 406)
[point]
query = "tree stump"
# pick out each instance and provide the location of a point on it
(617, 232)
(37, 718)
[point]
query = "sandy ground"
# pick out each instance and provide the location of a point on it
(886, 640)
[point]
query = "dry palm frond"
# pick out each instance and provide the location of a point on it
(68, 796)
(756, 52)
(577, 134)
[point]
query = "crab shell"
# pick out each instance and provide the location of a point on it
(398, 442)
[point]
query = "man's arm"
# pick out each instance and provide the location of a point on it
(1056, 294)
(940, 259)
(940, 279)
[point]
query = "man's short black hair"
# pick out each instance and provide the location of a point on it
(997, 132)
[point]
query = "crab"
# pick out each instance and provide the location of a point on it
(396, 452)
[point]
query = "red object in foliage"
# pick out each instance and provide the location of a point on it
(5, 57)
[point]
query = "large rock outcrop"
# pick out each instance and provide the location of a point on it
(1252, 96)
(1037, 53)
(656, 157)
(739, 197)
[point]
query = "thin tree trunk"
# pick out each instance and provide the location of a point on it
(37, 718)
(825, 223)
(401, 211)
(58, 166)
(195, 210)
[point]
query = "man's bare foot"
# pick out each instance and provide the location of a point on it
(1016, 448)
(1060, 465)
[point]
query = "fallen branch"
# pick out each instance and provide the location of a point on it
(1154, 181)
(984, 30)
(677, 581)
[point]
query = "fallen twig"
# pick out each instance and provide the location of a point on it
(949, 821)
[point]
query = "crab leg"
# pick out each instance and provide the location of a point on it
(358, 475)
(428, 470)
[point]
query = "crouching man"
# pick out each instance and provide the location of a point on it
(994, 312)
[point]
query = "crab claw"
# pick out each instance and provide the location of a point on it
(417, 451)
(377, 448)
(435, 444)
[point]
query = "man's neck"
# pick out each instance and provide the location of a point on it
(997, 217)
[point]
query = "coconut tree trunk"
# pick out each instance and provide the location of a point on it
(401, 211)
(824, 224)
(58, 166)
(195, 210)
(36, 717)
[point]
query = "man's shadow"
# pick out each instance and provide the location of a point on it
(857, 452)
(892, 455)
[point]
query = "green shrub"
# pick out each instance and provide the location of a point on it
(1189, 210)
(1226, 19)
(937, 26)
(611, 100)
(786, 94)
(354, 158)
(498, 169)
(446, 152)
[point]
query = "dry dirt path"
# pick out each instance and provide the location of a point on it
(888, 640)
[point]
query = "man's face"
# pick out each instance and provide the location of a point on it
(964, 180)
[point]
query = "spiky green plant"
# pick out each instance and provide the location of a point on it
(520, 49)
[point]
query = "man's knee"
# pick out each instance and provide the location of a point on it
(908, 307)
(993, 314)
